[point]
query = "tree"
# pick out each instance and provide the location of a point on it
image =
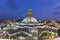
(58, 32)
(45, 33)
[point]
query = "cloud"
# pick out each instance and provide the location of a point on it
(2, 8)
(56, 13)
(57, 8)
(13, 4)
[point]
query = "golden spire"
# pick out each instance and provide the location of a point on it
(30, 12)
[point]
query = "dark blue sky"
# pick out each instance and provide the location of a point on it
(18, 9)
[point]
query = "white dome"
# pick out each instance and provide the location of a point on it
(30, 20)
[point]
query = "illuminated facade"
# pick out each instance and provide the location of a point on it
(30, 18)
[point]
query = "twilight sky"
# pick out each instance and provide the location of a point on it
(41, 9)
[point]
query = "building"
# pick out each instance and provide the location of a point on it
(30, 18)
(29, 27)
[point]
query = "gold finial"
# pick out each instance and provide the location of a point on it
(30, 12)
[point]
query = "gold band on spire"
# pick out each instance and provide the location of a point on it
(30, 13)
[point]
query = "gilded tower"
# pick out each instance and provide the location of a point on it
(30, 12)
